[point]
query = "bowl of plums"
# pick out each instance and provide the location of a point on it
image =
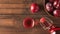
(52, 7)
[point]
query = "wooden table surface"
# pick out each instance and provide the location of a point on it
(12, 13)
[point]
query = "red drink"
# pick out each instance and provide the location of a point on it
(28, 22)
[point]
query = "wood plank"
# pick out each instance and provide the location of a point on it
(11, 1)
(2, 6)
(11, 11)
(7, 22)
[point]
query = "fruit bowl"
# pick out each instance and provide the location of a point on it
(52, 7)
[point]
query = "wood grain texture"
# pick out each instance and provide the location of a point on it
(2, 6)
(11, 11)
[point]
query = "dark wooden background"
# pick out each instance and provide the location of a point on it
(12, 13)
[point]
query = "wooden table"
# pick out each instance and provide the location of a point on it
(12, 13)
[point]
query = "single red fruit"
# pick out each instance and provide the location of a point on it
(56, 13)
(28, 22)
(34, 8)
(42, 20)
(49, 7)
(56, 4)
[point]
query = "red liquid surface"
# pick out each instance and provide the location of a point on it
(28, 23)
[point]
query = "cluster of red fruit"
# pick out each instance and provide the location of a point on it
(53, 7)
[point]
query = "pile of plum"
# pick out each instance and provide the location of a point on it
(53, 7)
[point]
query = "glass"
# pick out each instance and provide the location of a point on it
(28, 22)
(46, 23)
